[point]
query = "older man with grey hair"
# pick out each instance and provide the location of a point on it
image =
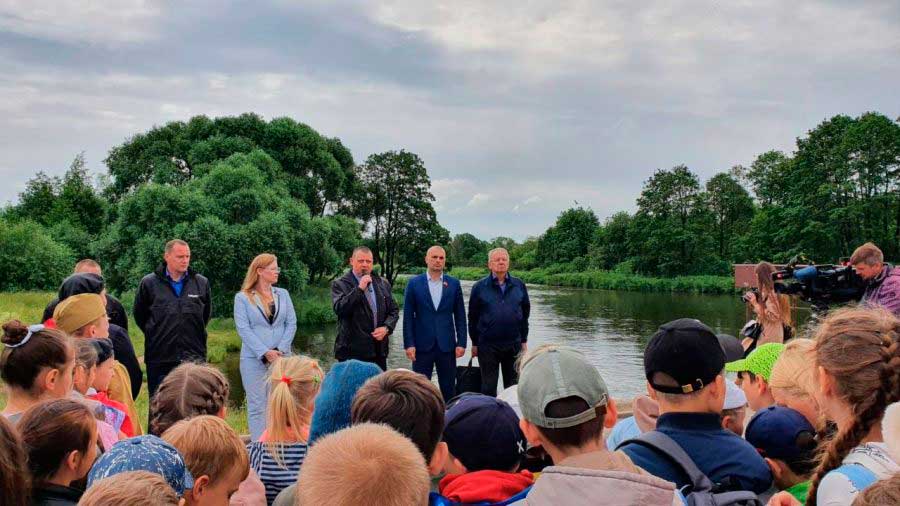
(498, 322)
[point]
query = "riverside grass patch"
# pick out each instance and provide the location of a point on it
(610, 280)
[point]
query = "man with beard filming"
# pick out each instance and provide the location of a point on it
(882, 280)
(366, 311)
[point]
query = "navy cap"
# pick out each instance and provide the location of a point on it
(483, 433)
(781, 433)
(688, 351)
(144, 453)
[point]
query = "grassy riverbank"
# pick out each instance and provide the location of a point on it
(609, 280)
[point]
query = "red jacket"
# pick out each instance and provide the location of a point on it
(484, 486)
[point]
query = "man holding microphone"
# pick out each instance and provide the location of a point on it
(366, 311)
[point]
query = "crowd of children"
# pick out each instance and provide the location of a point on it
(813, 422)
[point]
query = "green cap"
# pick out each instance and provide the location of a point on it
(760, 361)
(556, 373)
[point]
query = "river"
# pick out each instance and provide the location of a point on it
(610, 327)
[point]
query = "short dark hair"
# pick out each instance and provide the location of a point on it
(579, 435)
(749, 374)
(805, 464)
(407, 402)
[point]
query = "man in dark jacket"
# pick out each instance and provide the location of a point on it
(114, 309)
(498, 322)
(172, 307)
(366, 311)
(77, 284)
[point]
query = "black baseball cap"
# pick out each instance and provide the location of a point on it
(731, 346)
(688, 351)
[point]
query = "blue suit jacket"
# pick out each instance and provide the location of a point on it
(425, 326)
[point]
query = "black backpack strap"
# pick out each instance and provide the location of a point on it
(665, 445)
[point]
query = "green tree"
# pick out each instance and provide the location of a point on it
(670, 233)
(610, 246)
(395, 203)
(228, 212)
(30, 259)
(466, 250)
(315, 169)
(569, 238)
(732, 209)
(70, 207)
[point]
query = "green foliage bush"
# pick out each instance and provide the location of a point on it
(30, 259)
(237, 209)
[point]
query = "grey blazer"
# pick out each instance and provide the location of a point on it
(258, 335)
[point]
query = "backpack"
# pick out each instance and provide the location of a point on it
(701, 493)
(860, 477)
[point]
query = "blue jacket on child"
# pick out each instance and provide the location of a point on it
(726, 458)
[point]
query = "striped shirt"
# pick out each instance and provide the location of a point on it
(275, 476)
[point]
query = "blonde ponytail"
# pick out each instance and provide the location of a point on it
(294, 383)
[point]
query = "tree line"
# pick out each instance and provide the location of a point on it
(838, 189)
(232, 187)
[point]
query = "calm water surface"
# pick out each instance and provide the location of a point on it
(611, 328)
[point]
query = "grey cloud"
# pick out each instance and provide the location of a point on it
(580, 99)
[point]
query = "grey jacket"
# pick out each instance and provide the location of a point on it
(599, 477)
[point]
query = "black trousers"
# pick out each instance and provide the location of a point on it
(379, 361)
(492, 358)
(156, 373)
(445, 363)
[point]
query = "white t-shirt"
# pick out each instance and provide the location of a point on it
(837, 490)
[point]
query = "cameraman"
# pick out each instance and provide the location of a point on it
(882, 280)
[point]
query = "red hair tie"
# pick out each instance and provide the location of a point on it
(285, 379)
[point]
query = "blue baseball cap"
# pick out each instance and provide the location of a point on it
(781, 433)
(483, 433)
(144, 453)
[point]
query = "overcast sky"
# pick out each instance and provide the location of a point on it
(518, 108)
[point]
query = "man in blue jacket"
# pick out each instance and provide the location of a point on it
(434, 322)
(498, 322)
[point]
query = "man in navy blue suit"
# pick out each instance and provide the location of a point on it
(434, 322)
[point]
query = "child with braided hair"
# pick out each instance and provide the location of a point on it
(189, 390)
(294, 383)
(193, 390)
(857, 359)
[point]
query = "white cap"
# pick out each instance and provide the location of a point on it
(734, 396)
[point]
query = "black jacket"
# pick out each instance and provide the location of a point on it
(88, 283)
(498, 317)
(174, 327)
(55, 495)
(355, 326)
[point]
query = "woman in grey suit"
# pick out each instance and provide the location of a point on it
(265, 319)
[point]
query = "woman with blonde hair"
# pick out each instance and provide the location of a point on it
(266, 321)
(773, 310)
(279, 453)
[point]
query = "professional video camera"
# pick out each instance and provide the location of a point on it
(820, 285)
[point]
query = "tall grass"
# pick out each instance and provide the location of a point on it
(609, 280)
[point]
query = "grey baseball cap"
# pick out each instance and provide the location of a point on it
(556, 373)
